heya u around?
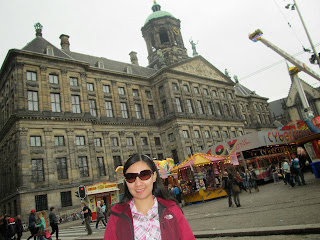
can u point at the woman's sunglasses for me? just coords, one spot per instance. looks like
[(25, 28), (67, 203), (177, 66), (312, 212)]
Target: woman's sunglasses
[(143, 175)]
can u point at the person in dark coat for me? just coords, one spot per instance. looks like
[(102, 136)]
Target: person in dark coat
[(54, 222), (3, 228), (226, 186), (19, 227), (32, 224)]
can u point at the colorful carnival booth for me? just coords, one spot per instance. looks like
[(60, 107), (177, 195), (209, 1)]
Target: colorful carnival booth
[(107, 191), (200, 177)]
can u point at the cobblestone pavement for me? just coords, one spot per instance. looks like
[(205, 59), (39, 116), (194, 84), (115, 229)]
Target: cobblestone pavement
[(274, 205)]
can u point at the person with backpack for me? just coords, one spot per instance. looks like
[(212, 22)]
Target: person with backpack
[(235, 189), (87, 217), (100, 215)]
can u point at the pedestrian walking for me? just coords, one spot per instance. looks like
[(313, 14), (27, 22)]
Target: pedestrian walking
[(32, 224), (227, 187), (274, 173), (87, 217), (19, 227), (286, 172), (296, 166), (177, 193), (41, 224), (235, 189), (54, 223), (239, 179), (104, 210), (11, 229), (100, 215), (146, 204), (252, 176)]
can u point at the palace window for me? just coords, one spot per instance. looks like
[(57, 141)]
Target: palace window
[(66, 200), (175, 87), (62, 168), (189, 106), (171, 137), (157, 141), (151, 112), (97, 142), (135, 92), (35, 141), (196, 90), (109, 109), (138, 110), (124, 110), (210, 108), (90, 87), (164, 108), (106, 89), (148, 94), (53, 79), (75, 101), (207, 134), (41, 202), (74, 82), (121, 90), (37, 170), (144, 141), (93, 107), (117, 161), (200, 108), (114, 141), (83, 166), (59, 140), (55, 102), (130, 141), (80, 140), (33, 101), (31, 76), (185, 133), (101, 166), (196, 134), (179, 106)]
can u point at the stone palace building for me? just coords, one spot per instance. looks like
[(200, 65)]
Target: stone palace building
[(68, 118)]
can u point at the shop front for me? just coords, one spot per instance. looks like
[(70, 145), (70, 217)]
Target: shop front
[(107, 191)]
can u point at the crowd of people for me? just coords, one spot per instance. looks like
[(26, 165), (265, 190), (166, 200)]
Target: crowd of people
[(10, 228)]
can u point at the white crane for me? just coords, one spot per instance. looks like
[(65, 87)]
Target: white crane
[(293, 71)]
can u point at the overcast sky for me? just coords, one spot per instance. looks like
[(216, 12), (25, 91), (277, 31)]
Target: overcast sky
[(112, 29)]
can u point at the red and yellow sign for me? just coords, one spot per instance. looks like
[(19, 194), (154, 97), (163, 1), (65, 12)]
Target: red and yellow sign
[(101, 187)]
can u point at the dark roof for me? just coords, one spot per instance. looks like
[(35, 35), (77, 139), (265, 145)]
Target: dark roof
[(39, 45), (276, 107), (111, 64), (242, 90)]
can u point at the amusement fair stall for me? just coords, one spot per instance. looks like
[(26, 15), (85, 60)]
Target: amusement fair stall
[(164, 167), (107, 191), (199, 177)]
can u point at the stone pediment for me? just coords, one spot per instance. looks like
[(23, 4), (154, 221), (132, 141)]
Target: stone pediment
[(200, 68)]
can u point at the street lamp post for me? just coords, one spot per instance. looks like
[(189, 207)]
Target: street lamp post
[(308, 35)]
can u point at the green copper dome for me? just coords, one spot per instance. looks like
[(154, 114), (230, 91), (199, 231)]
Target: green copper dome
[(157, 13)]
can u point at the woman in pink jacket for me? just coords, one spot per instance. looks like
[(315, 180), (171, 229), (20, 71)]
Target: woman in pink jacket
[(147, 211)]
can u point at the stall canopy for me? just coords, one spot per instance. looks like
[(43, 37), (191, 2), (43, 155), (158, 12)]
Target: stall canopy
[(196, 160)]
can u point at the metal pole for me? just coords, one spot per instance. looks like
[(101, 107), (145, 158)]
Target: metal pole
[(305, 28)]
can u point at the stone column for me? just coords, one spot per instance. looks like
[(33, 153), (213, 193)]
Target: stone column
[(72, 161), (44, 91), (109, 157), (24, 160), (49, 163), (92, 158), (84, 93), (138, 141)]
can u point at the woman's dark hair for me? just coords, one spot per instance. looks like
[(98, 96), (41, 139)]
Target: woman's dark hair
[(158, 187), (230, 175)]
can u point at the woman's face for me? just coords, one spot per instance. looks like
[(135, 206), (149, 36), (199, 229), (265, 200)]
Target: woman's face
[(141, 189)]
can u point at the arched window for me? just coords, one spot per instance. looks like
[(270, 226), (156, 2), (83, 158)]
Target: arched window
[(164, 38)]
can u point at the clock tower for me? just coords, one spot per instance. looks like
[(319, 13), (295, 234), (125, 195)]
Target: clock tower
[(162, 34)]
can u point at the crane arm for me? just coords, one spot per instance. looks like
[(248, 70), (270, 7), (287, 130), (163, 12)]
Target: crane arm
[(257, 36)]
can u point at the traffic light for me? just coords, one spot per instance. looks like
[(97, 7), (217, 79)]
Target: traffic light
[(82, 191)]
